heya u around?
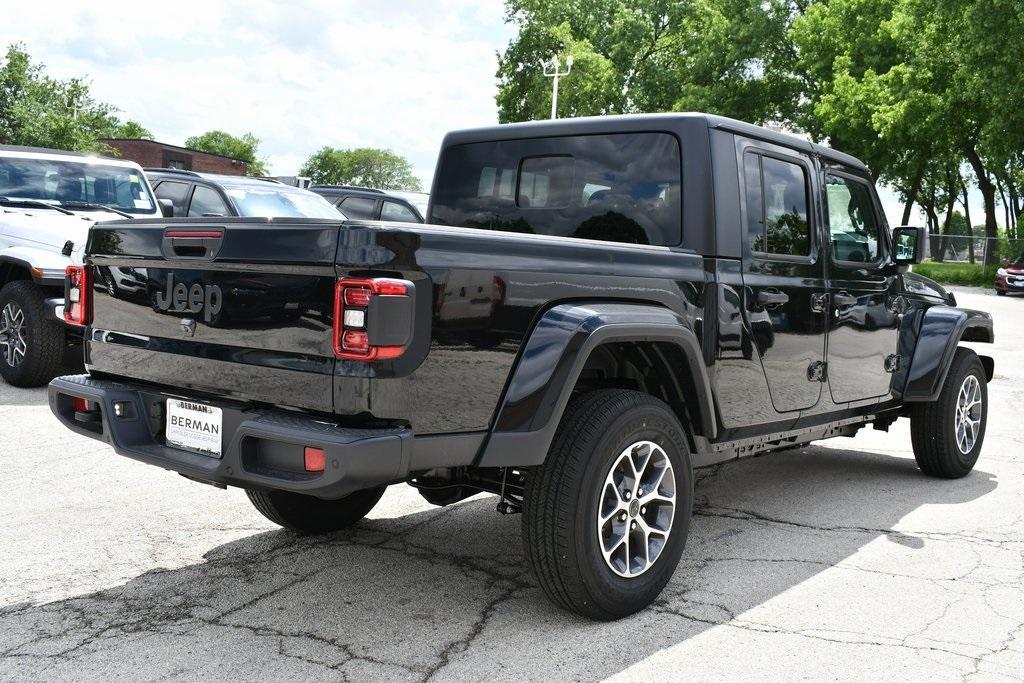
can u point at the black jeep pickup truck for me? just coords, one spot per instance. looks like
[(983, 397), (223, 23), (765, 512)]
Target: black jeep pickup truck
[(595, 308)]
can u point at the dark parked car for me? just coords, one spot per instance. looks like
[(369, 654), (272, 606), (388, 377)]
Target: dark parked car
[(373, 205), (1010, 277), (209, 194), (597, 307)]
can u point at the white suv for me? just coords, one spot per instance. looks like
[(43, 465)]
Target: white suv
[(48, 201)]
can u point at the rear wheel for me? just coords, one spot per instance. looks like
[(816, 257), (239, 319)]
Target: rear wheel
[(31, 338), (947, 433), (309, 515), (605, 517)]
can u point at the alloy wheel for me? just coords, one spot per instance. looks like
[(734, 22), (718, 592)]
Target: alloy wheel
[(636, 509), (12, 334), (968, 414)]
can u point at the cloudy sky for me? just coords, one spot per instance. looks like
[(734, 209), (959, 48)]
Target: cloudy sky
[(391, 73), (341, 73)]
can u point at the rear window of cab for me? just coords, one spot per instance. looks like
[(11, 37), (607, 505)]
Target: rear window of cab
[(622, 187)]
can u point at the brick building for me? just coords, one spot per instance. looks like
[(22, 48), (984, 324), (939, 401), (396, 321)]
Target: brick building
[(150, 154)]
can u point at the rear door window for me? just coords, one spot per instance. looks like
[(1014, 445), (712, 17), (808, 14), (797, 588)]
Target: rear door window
[(619, 188), (176, 192), (359, 207), (393, 211), (777, 208), (207, 202)]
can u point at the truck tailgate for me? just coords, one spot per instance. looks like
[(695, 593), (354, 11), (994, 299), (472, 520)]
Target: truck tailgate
[(238, 307)]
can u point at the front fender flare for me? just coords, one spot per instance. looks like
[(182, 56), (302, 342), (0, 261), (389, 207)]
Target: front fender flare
[(46, 267), (941, 330), (552, 359)]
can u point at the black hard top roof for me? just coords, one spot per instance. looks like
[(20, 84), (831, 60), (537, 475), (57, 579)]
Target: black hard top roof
[(639, 122)]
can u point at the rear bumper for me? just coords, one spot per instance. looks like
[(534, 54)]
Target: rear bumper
[(262, 449)]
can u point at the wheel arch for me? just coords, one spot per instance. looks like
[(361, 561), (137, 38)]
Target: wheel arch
[(12, 269), (43, 268), (632, 345), (941, 330)]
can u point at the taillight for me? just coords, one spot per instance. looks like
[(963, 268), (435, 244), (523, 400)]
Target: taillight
[(77, 295), (354, 299)]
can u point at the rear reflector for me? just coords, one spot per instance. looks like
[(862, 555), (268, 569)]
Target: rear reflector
[(314, 458), (81, 405)]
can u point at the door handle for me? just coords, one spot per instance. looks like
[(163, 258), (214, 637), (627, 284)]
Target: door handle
[(842, 300), (772, 297)]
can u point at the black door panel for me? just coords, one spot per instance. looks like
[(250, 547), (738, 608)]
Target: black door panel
[(863, 327), (782, 273)]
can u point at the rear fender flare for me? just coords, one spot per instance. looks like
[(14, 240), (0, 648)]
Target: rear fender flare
[(554, 356), (942, 329)]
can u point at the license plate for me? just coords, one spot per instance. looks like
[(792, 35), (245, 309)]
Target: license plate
[(194, 426)]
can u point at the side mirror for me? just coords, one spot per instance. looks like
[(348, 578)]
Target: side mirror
[(166, 208), (908, 245)]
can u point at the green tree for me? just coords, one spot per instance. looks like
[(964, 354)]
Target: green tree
[(244, 148), (720, 56), (131, 130), (41, 111), (366, 166), (917, 89)]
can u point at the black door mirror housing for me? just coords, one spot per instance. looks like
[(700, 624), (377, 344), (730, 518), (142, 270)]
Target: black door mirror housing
[(166, 208), (908, 245)]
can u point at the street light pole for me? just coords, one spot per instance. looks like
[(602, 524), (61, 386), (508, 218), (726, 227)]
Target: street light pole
[(552, 70)]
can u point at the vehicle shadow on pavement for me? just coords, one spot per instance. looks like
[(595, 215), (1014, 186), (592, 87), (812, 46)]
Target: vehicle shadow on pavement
[(445, 592)]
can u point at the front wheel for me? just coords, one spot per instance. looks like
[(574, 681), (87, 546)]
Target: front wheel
[(32, 340), (1000, 292), (309, 515), (947, 433), (605, 518)]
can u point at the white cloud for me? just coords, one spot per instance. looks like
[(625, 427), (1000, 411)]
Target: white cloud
[(343, 73)]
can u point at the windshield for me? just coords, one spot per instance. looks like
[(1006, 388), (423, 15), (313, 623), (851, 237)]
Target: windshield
[(72, 182), (274, 203)]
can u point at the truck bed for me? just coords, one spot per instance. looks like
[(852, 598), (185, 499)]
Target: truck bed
[(477, 292)]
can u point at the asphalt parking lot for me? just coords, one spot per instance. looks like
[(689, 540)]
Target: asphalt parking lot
[(835, 561)]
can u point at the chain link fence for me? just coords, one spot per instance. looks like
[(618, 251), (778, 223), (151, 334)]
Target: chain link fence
[(973, 249)]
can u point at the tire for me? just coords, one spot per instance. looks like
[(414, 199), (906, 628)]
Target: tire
[(37, 354), (563, 496), (309, 515), (938, 448), (1000, 292)]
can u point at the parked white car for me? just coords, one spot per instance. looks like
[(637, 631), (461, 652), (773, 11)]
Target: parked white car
[(48, 201)]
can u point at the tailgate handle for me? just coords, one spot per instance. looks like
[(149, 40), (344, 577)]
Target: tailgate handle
[(192, 243)]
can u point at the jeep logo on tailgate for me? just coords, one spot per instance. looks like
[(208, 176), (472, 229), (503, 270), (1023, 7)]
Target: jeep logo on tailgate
[(182, 299)]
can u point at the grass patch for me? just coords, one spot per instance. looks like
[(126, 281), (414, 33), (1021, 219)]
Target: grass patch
[(974, 275)]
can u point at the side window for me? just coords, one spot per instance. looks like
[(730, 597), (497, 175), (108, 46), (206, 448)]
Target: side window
[(777, 208), (176, 192), (206, 202), (358, 207), (393, 211), (852, 224)]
